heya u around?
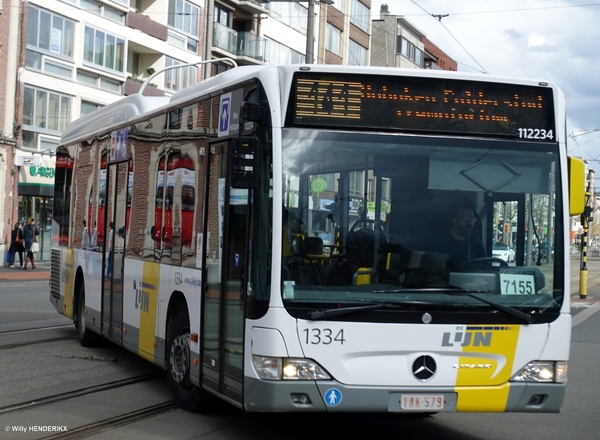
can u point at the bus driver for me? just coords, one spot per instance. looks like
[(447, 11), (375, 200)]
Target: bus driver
[(461, 244)]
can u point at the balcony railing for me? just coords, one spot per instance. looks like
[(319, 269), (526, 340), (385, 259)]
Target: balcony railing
[(251, 46), (224, 38), (238, 43)]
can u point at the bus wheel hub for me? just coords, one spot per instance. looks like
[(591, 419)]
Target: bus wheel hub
[(180, 358)]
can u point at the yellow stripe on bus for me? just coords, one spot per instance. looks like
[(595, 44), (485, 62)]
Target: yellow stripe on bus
[(147, 298), (483, 399), (485, 368), (69, 274)]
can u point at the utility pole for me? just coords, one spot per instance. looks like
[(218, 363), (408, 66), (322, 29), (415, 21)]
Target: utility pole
[(586, 217), (310, 25), (310, 33)]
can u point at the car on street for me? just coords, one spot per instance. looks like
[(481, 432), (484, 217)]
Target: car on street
[(504, 252)]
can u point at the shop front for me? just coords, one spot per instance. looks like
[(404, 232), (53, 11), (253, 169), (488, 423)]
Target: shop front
[(36, 192)]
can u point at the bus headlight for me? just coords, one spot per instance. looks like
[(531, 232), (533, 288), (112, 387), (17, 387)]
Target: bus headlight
[(539, 371), (303, 369), (288, 369)]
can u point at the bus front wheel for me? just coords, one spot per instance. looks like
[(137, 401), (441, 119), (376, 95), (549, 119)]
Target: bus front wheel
[(188, 396), (87, 338)]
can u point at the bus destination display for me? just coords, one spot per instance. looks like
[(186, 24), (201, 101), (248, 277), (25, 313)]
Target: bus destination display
[(424, 105)]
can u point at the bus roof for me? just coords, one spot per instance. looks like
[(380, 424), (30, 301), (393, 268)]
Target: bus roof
[(131, 107), (112, 115)]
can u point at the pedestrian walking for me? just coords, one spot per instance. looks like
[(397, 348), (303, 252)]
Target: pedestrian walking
[(30, 235), (16, 245)]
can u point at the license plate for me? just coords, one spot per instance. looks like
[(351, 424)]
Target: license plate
[(421, 402)]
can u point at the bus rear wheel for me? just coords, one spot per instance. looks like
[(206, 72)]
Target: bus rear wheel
[(188, 396)]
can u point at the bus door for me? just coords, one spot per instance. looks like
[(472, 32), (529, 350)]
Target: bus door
[(225, 265), (115, 228)]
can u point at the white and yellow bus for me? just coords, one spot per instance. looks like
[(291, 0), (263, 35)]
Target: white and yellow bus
[(321, 238)]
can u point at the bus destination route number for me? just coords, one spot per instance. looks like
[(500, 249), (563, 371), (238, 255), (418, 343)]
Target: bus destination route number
[(407, 103), (325, 336)]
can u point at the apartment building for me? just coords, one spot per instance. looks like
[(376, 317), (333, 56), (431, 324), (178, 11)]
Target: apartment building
[(66, 58), (396, 42)]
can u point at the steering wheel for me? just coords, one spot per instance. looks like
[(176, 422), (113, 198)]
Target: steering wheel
[(476, 261), (383, 237), (360, 222)]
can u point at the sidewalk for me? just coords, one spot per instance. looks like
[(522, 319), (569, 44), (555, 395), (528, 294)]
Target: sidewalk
[(41, 272)]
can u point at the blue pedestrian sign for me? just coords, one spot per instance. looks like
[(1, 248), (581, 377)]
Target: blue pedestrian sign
[(333, 397), (224, 114)]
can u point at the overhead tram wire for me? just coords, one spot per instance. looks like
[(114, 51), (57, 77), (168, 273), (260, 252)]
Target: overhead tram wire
[(542, 8), (439, 18), (573, 136)]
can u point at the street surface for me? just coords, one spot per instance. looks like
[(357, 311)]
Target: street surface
[(114, 394)]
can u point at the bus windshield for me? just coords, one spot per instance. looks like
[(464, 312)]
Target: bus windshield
[(418, 222)]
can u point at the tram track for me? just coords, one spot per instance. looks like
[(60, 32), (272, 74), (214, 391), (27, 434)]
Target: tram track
[(36, 403), (26, 330), (38, 341), (114, 422), (32, 331)]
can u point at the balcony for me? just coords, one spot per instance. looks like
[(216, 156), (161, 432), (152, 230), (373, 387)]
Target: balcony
[(224, 38), (244, 47), (251, 6), (250, 46), (131, 87), (147, 25)]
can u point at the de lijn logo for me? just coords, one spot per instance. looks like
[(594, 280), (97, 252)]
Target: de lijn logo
[(45, 172)]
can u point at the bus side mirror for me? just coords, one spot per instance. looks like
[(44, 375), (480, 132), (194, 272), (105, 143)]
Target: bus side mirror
[(576, 186), (254, 111), (244, 171)]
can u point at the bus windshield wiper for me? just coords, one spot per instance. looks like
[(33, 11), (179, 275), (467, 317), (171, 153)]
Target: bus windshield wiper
[(424, 290), (373, 305), (508, 310)]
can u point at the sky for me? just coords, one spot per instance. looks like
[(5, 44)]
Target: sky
[(555, 40)]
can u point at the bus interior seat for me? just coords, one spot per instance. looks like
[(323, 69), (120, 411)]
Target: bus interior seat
[(312, 245), (360, 254), (301, 267)]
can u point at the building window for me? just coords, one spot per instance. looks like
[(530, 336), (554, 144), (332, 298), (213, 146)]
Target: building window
[(290, 13), (183, 17), (359, 15), (98, 82), (103, 50), (50, 33), (179, 79), (45, 110), (58, 69), (103, 10), (223, 16), (88, 107), (338, 4), (357, 55), (410, 51), (277, 53), (333, 40)]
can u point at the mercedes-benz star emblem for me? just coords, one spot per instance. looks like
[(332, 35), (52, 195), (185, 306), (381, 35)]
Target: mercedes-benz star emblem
[(423, 368)]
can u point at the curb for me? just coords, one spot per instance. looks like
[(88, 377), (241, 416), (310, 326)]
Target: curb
[(42, 272)]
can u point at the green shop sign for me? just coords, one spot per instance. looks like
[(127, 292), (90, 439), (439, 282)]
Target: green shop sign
[(45, 172)]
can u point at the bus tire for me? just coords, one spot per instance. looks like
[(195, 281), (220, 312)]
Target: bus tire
[(87, 338), (187, 395)]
